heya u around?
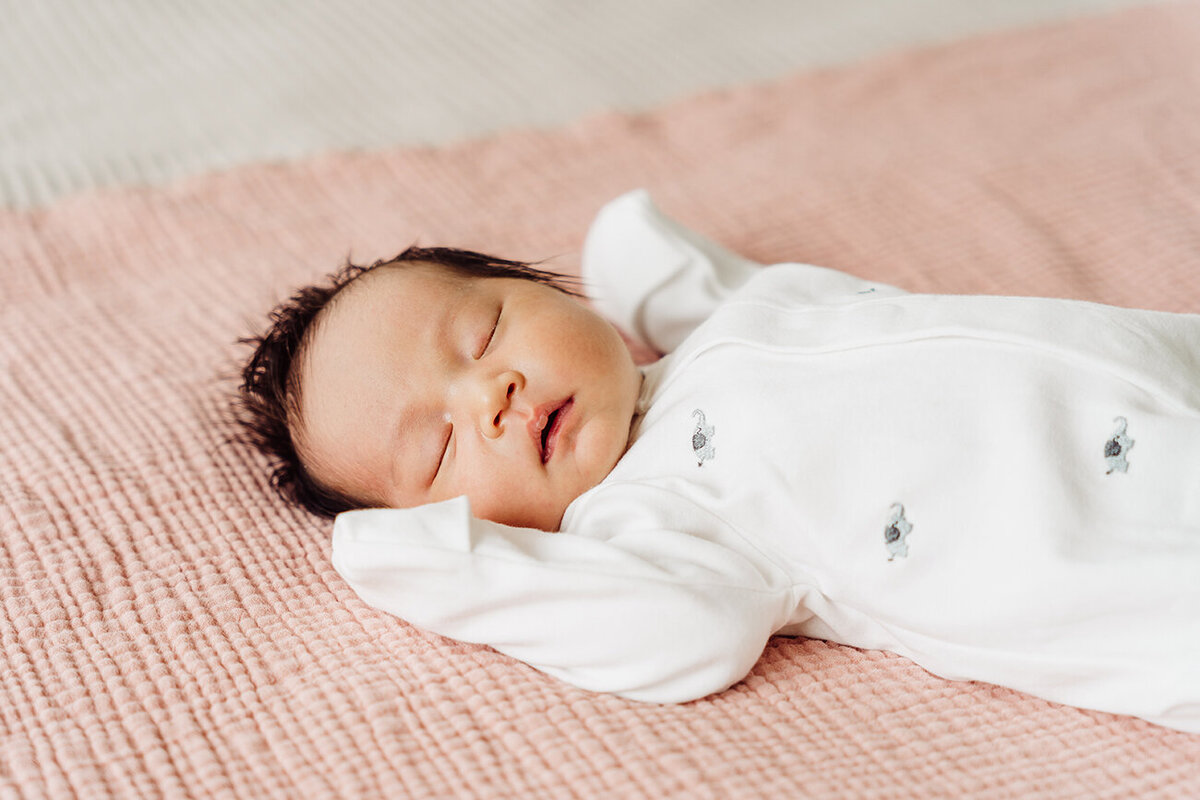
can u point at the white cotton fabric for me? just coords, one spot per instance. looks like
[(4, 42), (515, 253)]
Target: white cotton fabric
[(926, 474)]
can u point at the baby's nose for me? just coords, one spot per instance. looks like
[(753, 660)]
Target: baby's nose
[(496, 395)]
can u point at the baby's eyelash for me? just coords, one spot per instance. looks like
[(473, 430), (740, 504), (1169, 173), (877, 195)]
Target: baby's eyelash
[(491, 334), (441, 462)]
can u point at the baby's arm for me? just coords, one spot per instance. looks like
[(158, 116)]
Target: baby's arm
[(653, 616), (658, 280)]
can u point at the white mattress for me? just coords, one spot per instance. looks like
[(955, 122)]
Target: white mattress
[(140, 91)]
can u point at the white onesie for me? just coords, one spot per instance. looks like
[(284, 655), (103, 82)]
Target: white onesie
[(1001, 489)]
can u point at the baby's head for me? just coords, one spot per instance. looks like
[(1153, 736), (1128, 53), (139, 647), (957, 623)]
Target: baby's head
[(440, 373)]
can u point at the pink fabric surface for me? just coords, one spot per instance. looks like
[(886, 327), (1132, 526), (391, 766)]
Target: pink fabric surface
[(171, 629)]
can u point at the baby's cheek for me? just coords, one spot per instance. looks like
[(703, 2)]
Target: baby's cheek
[(598, 450)]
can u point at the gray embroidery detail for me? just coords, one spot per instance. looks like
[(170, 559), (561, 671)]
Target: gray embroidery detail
[(866, 291), (1116, 448), (895, 532), (702, 438)]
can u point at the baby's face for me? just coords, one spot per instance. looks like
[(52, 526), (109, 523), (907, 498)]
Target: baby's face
[(420, 384)]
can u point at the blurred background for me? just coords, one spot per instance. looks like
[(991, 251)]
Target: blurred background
[(98, 94)]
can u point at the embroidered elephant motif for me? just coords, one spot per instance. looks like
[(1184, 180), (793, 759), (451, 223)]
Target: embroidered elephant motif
[(1116, 448), (702, 438), (895, 533)]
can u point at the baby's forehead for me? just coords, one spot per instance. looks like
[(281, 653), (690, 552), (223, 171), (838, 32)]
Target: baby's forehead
[(404, 278), (405, 311), (375, 299), (376, 326), (412, 289)]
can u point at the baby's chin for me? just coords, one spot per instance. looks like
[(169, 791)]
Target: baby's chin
[(547, 517)]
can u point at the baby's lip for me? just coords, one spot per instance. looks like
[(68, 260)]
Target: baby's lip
[(545, 425)]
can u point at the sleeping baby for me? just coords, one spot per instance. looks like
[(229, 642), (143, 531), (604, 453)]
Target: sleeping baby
[(1000, 489)]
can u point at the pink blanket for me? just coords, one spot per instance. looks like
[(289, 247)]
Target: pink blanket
[(171, 629)]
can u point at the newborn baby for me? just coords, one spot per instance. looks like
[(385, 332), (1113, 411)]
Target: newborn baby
[(424, 383), (1001, 489)]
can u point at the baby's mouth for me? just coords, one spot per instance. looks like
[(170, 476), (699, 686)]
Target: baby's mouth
[(549, 424)]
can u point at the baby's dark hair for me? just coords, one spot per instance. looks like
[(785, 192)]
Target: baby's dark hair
[(269, 396)]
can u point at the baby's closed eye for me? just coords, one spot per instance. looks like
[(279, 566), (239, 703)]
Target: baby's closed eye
[(485, 344), (441, 459)]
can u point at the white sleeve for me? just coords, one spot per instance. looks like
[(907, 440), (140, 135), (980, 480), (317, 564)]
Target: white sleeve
[(659, 617), (658, 280)]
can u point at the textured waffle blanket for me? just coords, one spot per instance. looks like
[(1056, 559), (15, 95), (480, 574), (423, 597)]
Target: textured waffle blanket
[(171, 629)]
